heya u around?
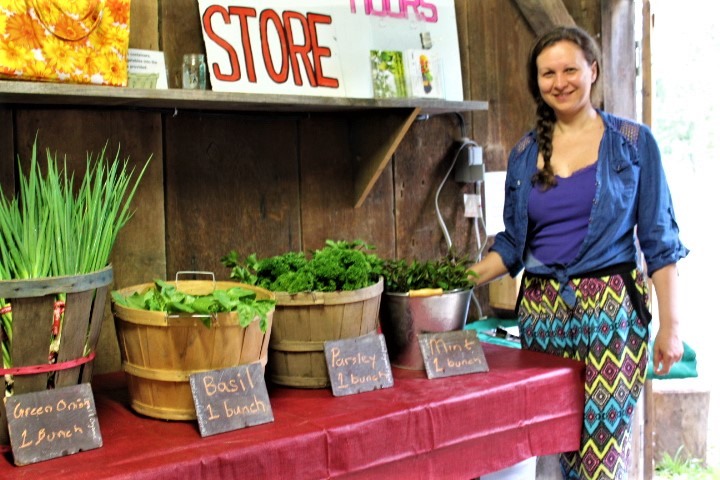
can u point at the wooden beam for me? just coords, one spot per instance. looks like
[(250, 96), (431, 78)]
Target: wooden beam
[(647, 92), (544, 14), (646, 63), (618, 57), (374, 137)]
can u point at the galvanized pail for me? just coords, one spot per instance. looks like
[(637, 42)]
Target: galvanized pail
[(404, 316)]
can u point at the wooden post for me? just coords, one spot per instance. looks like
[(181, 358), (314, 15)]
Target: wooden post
[(618, 57), (647, 93)]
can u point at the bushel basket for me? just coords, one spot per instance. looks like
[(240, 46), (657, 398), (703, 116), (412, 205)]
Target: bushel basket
[(304, 321), (56, 324), (159, 351)]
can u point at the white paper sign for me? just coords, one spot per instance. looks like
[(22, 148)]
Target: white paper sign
[(321, 47), (146, 69), (494, 202)]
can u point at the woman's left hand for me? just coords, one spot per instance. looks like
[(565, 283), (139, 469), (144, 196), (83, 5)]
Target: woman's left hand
[(667, 350)]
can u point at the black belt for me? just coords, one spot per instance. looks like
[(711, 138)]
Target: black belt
[(623, 269)]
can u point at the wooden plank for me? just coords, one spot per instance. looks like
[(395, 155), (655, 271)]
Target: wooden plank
[(65, 284), (421, 161), (31, 93), (144, 31), (7, 153), (648, 411), (231, 184), (32, 322), (542, 15), (618, 57), (326, 189), (648, 432), (497, 62), (93, 335), (646, 63), (373, 140), (181, 33), (74, 330)]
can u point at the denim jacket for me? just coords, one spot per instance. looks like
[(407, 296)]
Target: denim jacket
[(631, 191)]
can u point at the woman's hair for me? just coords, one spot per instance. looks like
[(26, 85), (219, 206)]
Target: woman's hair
[(545, 116)]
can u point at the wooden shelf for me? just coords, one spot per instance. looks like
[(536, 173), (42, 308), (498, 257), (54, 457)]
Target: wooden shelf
[(377, 125), (21, 92)]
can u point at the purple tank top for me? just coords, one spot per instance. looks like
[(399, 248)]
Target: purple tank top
[(558, 217)]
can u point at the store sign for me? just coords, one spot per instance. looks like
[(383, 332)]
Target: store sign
[(358, 364), (230, 398), (324, 48), (52, 423), (452, 353)]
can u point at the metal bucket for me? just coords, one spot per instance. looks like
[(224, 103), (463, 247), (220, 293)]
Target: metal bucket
[(404, 317)]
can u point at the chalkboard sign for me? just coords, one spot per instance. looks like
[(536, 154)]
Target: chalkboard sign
[(52, 423), (230, 399), (358, 364), (452, 353)]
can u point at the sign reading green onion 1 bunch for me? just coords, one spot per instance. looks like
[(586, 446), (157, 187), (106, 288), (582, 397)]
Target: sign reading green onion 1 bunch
[(52, 423), (306, 47)]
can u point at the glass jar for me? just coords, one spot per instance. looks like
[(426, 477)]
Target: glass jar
[(194, 71)]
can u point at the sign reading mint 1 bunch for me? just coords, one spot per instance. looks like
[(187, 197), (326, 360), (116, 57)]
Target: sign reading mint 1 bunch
[(332, 47)]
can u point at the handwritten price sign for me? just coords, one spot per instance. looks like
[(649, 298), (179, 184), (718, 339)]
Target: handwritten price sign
[(452, 353), (359, 364), (52, 423), (230, 399)]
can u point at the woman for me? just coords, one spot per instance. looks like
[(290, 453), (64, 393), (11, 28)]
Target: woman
[(583, 190)]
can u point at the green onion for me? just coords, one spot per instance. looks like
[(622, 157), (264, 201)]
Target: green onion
[(49, 230)]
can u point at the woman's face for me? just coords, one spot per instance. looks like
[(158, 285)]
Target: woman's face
[(565, 78)]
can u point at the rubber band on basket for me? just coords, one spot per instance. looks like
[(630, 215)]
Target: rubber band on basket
[(46, 368)]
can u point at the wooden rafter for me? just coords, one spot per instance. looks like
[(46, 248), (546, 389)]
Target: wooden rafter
[(544, 14)]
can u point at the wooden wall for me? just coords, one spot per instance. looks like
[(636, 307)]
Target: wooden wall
[(269, 183)]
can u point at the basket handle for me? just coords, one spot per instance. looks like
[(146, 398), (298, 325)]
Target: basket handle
[(177, 279), (95, 13), (194, 272)]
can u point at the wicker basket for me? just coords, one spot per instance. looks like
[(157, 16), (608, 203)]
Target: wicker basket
[(159, 351), (304, 321)]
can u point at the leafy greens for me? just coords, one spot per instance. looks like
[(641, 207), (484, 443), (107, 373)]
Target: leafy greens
[(165, 297), (339, 265)]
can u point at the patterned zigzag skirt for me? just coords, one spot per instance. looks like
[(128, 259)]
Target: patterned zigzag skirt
[(608, 329)]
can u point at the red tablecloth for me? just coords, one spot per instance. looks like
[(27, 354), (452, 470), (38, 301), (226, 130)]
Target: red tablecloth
[(459, 427)]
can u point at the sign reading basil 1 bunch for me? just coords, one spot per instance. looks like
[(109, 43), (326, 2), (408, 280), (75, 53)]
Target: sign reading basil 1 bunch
[(307, 47), (230, 398)]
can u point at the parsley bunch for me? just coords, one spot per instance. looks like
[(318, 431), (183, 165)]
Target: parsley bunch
[(339, 265)]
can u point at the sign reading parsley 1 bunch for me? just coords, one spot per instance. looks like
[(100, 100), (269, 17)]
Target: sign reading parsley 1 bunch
[(325, 48)]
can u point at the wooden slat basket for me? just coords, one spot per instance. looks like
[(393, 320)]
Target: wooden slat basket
[(36, 307), (304, 321), (159, 351)]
